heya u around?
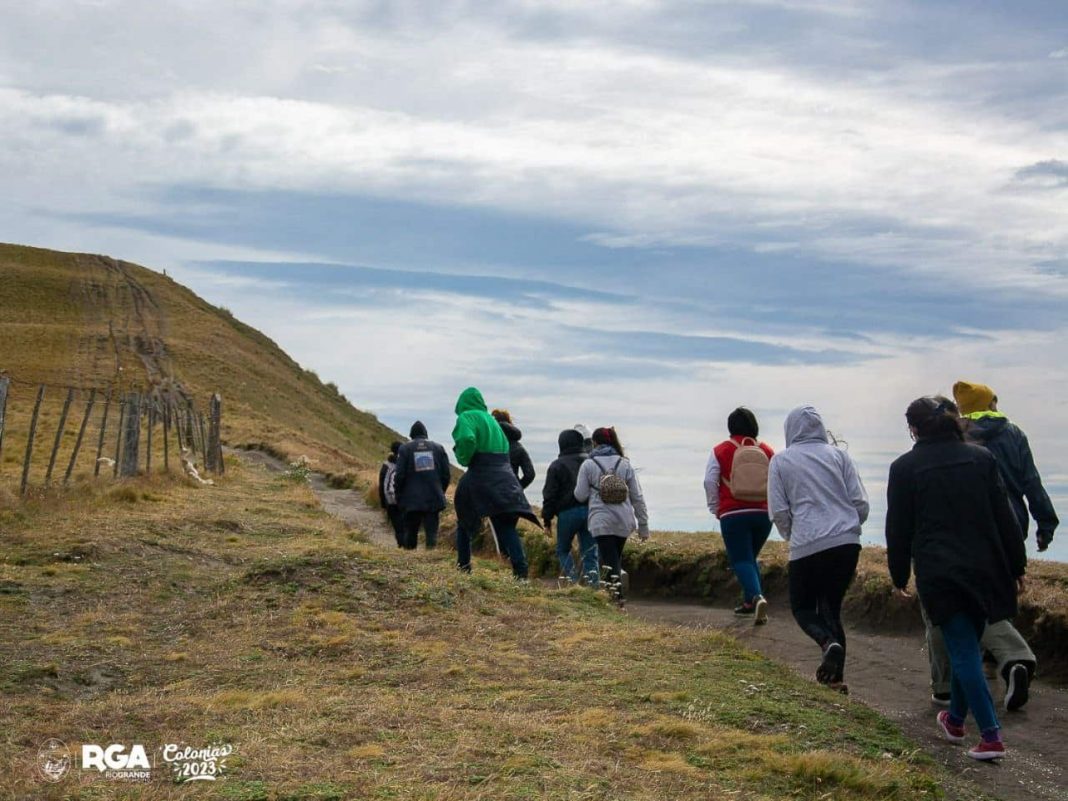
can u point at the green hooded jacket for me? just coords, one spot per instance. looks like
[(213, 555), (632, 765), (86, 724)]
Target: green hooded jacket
[(476, 431)]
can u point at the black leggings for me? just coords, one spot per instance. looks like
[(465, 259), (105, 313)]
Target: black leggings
[(818, 583), (611, 551)]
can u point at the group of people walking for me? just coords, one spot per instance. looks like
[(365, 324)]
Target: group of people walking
[(957, 516)]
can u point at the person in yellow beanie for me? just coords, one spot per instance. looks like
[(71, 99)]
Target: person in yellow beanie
[(972, 398)]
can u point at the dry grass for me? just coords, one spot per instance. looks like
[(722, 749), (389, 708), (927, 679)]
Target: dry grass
[(243, 614), (76, 319)]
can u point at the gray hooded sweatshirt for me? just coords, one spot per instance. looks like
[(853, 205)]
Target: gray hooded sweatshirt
[(815, 495), (611, 519)]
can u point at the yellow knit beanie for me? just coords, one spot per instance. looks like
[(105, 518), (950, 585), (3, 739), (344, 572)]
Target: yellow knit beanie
[(972, 398)]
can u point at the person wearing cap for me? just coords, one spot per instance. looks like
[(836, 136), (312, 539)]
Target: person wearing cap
[(587, 439), (423, 475), (558, 501), (490, 487), (989, 427)]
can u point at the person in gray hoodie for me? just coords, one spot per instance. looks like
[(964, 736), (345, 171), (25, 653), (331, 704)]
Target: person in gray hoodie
[(611, 523), (818, 504)]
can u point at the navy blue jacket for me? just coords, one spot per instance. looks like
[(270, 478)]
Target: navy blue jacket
[(488, 488), (1017, 467), (422, 476)]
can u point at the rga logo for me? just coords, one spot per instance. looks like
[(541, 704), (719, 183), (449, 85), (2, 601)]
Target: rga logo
[(197, 764), (53, 760), (115, 763)]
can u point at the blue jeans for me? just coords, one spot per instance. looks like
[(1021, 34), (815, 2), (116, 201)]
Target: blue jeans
[(968, 688), (744, 534), (569, 524), (504, 526)]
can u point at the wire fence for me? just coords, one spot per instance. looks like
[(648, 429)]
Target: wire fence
[(52, 434)]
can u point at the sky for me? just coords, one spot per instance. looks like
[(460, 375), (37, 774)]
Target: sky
[(633, 213)]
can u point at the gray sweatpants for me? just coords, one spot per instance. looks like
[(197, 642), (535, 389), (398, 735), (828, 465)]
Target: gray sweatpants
[(1001, 639)]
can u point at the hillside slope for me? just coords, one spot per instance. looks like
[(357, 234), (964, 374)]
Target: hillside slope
[(91, 321)]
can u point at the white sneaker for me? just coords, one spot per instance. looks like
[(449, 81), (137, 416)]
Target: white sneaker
[(760, 613)]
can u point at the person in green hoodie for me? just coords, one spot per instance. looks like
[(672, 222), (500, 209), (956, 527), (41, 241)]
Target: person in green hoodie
[(489, 488)]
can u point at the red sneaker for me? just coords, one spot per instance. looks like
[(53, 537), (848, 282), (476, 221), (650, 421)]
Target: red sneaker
[(955, 734), (985, 751)]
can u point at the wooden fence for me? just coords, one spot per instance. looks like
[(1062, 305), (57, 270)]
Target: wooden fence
[(49, 434)]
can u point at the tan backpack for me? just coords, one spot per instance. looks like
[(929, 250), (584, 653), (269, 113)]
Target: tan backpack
[(749, 472)]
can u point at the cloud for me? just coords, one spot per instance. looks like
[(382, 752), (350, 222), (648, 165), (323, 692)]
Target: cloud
[(1049, 174)]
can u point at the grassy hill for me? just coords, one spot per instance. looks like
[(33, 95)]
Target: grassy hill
[(91, 321)]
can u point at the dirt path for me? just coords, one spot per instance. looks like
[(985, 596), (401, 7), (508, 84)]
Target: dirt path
[(890, 674), (887, 672), (344, 504)]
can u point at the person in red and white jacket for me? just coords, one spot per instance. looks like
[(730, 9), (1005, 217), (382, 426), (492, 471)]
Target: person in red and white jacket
[(745, 524)]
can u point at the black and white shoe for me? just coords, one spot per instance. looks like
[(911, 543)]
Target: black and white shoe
[(1018, 686)]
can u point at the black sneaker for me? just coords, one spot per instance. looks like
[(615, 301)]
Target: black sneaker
[(745, 610), (1018, 681)]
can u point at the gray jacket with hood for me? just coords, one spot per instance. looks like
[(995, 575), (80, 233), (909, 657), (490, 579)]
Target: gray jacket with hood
[(815, 495), (611, 519)]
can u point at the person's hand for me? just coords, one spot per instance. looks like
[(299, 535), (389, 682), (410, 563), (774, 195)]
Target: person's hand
[(902, 594), (643, 533), (548, 526), (1043, 538), (1021, 585)]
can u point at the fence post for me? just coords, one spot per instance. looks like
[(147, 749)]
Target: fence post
[(213, 449), (131, 436), (59, 434), (203, 439), (150, 419), (118, 438), (190, 434), (165, 411), (81, 434), (176, 416), (103, 429), (5, 382), (29, 440)]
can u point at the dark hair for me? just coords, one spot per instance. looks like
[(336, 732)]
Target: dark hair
[(935, 417), (742, 423), (608, 436), (394, 447)]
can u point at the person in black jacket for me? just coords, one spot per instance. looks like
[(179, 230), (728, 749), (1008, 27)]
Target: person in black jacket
[(423, 475), (948, 513), (387, 494), (993, 430), (558, 501), (517, 454)]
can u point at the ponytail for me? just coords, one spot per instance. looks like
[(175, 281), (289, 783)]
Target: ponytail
[(608, 436), (935, 417)]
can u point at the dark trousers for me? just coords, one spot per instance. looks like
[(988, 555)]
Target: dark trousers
[(818, 583), (744, 534), (396, 520), (412, 522), (611, 552), (504, 526), (968, 687)]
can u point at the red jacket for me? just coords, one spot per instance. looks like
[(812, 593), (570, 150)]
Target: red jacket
[(720, 500)]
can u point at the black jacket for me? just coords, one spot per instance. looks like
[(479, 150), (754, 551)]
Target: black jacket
[(1017, 467), (947, 512), (558, 494), (518, 456), (422, 476), (488, 488)]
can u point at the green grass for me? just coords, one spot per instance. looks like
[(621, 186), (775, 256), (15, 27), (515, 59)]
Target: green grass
[(242, 613)]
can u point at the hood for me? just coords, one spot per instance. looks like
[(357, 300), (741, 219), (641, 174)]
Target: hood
[(570, 441), (604, 450), (804, 424), (418, 430), (510, 431), (986, 428), (470, 400)]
